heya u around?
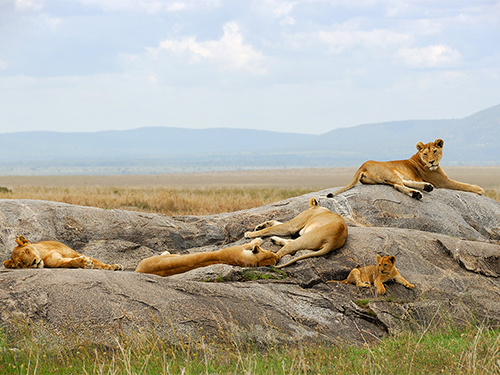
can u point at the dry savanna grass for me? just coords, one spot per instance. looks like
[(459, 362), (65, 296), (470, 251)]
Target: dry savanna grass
[(188, 201), (203, 193)]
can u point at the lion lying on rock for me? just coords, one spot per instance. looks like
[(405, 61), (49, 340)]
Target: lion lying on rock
[(421, 171), (376, 274), (319, 229), (248, 255), (51, 254)]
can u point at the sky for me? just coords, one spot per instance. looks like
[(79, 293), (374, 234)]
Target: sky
[(305, 66)]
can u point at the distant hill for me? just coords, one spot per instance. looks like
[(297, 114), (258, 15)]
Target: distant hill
[(473, 140)]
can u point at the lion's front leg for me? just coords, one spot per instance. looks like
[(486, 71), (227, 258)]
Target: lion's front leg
[(104, 266), (55, 260), (455, 185), (262, 229), (401, 280)]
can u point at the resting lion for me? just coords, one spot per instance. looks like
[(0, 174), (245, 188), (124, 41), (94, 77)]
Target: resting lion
[(319, 229), (51, 254), (421, 171), (376, 274), (248, 255)]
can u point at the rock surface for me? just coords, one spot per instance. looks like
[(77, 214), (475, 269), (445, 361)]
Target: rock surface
[(447, 244)]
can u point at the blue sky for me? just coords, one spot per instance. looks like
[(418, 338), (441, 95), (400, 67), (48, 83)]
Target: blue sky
[(306, 66)]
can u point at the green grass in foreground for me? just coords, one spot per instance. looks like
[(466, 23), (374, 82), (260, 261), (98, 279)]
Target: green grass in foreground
[(475, 350)]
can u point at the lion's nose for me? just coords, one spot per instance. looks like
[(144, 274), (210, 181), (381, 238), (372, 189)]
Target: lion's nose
[(34, 262), (432, 161)]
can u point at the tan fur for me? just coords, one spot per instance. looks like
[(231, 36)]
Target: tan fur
[(421, 171), (248, 255), (51, 254), (318, 227), (376, 274)]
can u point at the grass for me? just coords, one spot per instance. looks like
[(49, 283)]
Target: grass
[(473, 350), (168, 201)]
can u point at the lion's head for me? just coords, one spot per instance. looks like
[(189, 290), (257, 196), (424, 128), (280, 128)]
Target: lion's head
[(24, 256), (251, 255), (385, 264), (431, 153)]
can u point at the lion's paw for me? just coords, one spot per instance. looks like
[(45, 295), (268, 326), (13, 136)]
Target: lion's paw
[(428, 188), (408, 285), (266, 224), (416, 194), (117, 267), (88, 263), (248, 234), (479, 190)]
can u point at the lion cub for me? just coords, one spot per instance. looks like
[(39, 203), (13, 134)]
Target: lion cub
[(376, 274)]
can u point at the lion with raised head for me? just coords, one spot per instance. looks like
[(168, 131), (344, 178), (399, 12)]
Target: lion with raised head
[(376, 274), (319, 229), (51, 254), (421, 171), (247, 255)]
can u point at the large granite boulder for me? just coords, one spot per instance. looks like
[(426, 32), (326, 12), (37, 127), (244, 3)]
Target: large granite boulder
[(447, 244)]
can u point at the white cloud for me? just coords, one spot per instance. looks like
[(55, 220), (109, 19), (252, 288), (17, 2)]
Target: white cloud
[(33, 5), (152, 6), (229, 52), (3, 65), (428, 57), (338, 41)]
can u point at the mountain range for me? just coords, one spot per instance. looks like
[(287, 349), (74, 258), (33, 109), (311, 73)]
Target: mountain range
[(473, 140)]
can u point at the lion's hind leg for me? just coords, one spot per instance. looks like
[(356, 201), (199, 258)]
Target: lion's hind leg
[(355, 279)]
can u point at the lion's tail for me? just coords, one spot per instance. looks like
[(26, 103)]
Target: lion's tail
[(337, 281), (350, 185)]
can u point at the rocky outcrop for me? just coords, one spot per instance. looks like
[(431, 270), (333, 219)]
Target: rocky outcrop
[(447, 244)]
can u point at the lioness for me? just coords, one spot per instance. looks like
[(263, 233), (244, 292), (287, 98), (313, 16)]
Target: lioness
[(248, 255), (319, 229), (421, 171), (51, 254), (376, 274)]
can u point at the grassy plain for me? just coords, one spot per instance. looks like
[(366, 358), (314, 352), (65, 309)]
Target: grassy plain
[(203, 193), (472, 350)]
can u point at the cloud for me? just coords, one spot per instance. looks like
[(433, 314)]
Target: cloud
[(339, 41), (3, 65), (429, 57), (152, 6), (29, 5), (229, 52)]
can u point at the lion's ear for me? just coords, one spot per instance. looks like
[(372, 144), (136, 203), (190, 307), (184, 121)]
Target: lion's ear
[(420, 146), (313, 202), (9, 264), (439, 143), (392, 259), (256, 249), (378, 258)]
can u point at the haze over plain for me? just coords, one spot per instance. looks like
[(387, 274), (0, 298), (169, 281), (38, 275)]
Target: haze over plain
[(288, 66)]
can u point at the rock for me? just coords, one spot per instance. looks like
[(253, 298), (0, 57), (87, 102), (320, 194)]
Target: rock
[(447, 244)]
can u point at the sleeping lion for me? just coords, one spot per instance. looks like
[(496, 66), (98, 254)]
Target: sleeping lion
[(51, 254), (247, 255), (319, 229), (421, 171)]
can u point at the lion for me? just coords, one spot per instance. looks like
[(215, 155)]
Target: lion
[(318, 227), (51, 254), (247, 255), (376, 274), (421, 171)]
